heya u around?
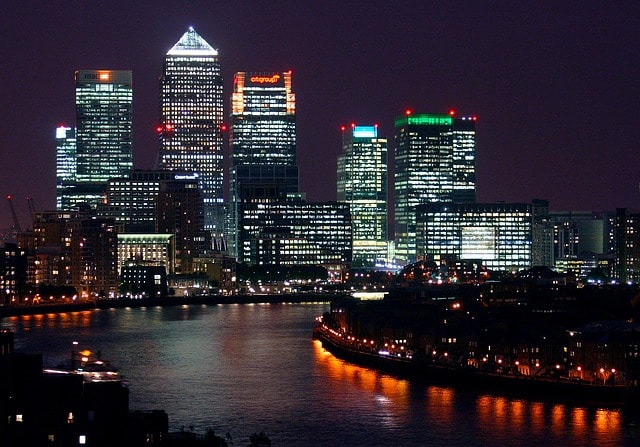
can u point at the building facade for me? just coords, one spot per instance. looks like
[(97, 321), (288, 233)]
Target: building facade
[(626, 240), (434, 162), (65, 165), (104, 145), (499, 235), (180, 211), (191, 120), (131, 201), (297, 232), (262, 138), (156, 250), (92, 247), (362, 183)]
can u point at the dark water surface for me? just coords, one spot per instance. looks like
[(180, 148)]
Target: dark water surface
[(250, 368)]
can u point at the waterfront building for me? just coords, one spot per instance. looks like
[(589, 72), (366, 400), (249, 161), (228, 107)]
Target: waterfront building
[(362, 183), (191, 120), (180, 211), (499, 235), (92, 245), (151, 249), (65, 164), (434, 162), (143, 280), (72, 250), (262, 138), (220, 268), (13, 271), (104, 146)]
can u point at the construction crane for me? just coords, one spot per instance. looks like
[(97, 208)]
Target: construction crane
[(16, 223), (32, 210)]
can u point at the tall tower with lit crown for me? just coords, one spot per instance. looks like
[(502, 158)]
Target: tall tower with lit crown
[(103, 143), (362, 183), (191, 119), (262, 139), (434, 162)]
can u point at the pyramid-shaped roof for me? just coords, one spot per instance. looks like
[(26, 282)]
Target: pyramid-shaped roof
[(192, 44)]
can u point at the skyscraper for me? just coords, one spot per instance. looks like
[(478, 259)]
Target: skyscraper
[(103, 141), (191, 118), (263, 119), (262, 138), (435, 162), (362, 183), (65, 164)]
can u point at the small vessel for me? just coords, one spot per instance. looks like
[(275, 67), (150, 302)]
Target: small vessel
[(90, 365)]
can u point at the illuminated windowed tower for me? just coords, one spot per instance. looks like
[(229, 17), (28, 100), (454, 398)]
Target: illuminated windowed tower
[(362, 183), (191, 116), (435, 162), (262, 139), (104, 147), (65, 164), (263, 126)]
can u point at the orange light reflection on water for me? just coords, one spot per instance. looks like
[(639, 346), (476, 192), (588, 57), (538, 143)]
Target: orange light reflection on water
[(389, 396), (511, 417), (52, 320), (501, 418)]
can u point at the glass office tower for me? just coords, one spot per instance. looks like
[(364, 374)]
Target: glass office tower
[(262, 139), (65, 164), (191, 119), (362, 183), (435, 162), (263, 119), (104, 146)]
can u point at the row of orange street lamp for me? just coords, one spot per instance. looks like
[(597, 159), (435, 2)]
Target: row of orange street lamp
[(606, 373)]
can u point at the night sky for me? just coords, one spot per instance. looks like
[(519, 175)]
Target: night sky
[(555, 85)]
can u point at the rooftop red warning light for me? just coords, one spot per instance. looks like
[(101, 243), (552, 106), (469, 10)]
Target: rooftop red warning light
[(452, 112)]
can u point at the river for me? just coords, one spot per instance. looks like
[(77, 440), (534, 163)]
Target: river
[(241, 369)]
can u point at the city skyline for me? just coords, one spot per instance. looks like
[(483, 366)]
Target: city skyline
[(555, 91)]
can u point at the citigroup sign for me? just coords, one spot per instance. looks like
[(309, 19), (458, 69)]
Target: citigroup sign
[(265, 79)]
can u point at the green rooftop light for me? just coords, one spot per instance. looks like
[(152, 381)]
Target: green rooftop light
[(424, 119)]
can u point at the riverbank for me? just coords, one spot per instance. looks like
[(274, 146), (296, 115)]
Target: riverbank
[(37, 309), (472, 379)]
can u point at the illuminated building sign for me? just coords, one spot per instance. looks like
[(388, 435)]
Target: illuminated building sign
[(424, 120), (365, 132), (261, 79), (185, 176)]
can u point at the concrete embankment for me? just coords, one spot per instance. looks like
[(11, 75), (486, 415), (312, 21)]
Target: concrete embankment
[(38, 309)]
